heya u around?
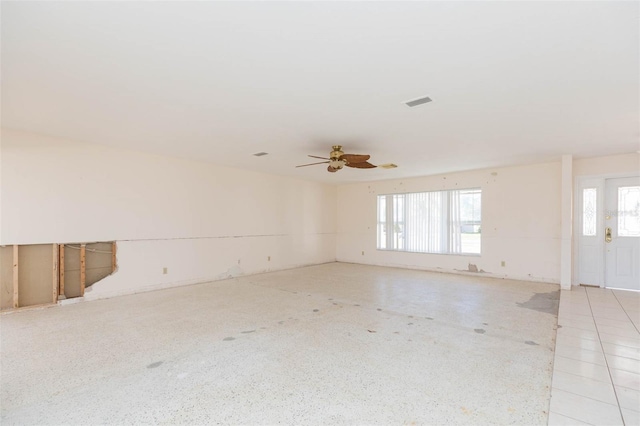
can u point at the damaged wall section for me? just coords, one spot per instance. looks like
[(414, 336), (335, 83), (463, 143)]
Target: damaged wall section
[(177, 221), (38, 274), (29, 275), (6, 277), (82, 265)]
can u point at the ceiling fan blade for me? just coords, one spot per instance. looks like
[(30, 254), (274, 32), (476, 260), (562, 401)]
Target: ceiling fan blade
[(355, 158), (312, 164), (331, 169), (363, 165), (322, 158)]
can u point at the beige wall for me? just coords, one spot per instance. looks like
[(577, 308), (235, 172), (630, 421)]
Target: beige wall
[(205, 222), (520, 222), (59, 191), (627, 164), (199, 221)]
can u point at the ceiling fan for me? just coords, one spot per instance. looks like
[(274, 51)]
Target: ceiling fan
[(338, 159)]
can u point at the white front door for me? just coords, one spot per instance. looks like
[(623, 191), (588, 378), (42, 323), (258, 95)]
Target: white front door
[(622, 233)]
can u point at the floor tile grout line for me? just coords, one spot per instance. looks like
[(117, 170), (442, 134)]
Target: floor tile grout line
[(619, 327), (624, 346), (572, 418), (626, 371), (553, 361), (620, 356), (629, 409), (577, 337), (615, 393), (637, 373), (580, 360), (587, 397), (569, 311), (564, 327), (576, 323), (625, 312), (622, 336), (628, 388), (583, 377), (578, 347)]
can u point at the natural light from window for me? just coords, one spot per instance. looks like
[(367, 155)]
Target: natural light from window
[(445, 222)]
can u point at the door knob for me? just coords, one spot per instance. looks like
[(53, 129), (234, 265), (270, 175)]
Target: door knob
[(607, 235)]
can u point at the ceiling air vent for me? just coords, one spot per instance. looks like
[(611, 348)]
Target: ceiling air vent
[(388, 166), (417, 102), (260, 154)]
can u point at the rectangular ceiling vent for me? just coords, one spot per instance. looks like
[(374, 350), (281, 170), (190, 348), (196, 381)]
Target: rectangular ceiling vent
[(388, 166), (417, 102), (260, 154)]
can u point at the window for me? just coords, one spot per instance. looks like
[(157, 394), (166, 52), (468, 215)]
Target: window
[(431, 222)]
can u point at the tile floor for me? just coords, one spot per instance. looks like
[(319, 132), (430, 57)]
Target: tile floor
[(327, 344), (596, 373)]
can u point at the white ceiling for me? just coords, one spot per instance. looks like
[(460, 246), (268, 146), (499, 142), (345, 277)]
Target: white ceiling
[(511, 82)]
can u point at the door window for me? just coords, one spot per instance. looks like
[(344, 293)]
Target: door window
[(629, 211), (589, 212)]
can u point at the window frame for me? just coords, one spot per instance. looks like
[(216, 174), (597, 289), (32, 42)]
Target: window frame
[(383, 227)]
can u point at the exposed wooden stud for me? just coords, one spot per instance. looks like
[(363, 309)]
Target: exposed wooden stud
[(113, 257), (61, 293), (15, 276), (83, 276), (56, 275)]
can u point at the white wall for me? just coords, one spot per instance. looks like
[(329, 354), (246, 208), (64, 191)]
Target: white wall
[(201, 221), (520, 222)]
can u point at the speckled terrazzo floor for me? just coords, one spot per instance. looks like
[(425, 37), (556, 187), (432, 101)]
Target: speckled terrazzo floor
[(327, 344)]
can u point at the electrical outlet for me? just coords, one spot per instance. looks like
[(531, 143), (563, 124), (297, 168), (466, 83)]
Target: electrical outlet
[(164, 270), (503, 263)]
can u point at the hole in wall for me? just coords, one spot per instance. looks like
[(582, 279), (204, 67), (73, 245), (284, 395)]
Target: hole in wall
[(38, 274)]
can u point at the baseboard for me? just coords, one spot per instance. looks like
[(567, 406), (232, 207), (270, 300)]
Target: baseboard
[(105, 294), (462, 272)]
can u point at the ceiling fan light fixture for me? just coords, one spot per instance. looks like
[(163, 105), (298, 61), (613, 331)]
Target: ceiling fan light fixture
[(388, 166), (336, 164)]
